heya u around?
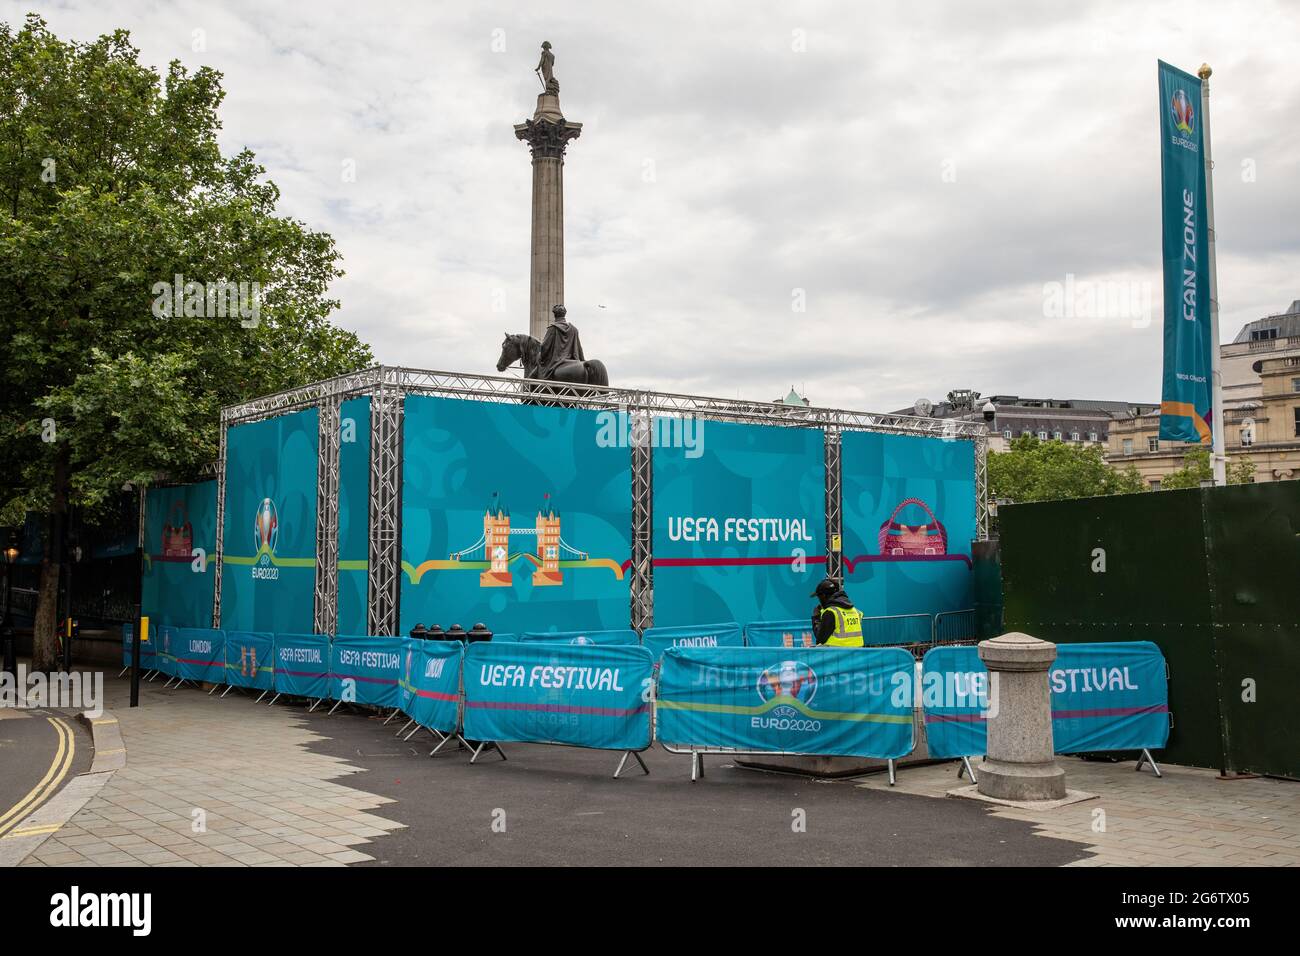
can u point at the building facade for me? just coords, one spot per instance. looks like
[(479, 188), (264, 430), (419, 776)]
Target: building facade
[(1261, 408)]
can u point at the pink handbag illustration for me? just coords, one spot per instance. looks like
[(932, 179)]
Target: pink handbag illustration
[(903, 541)]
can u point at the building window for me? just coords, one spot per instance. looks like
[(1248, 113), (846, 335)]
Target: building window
[(1155, 484), (1259, 335), (1006, 433), (1128, 446), (1153, 444), (1092, 436), (1297, 423), (1074, 436), (1295, 384), (1056, 435), (1026, 433)]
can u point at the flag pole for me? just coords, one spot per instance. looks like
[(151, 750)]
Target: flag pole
[(1217, 458)]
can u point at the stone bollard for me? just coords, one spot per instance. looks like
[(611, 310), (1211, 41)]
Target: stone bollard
[(1020, 764)]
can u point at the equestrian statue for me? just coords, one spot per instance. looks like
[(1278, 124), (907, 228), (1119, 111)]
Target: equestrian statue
[(558, 358)]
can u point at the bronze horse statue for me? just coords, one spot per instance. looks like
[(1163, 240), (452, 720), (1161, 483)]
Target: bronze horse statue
[(525, 349)]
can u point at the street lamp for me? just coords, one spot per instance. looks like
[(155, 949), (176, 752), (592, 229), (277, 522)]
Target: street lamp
[(6, 628)]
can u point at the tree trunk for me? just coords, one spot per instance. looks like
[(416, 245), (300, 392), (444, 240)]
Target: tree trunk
[(45, 656)]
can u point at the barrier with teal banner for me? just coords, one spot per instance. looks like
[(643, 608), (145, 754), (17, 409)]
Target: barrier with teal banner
[(591, 695), (148, 649), (954, 695), (367, 670), (1106, 696), (200, 654), (611, 636), (1110, 696), (658, 639), (167, 643), (780, 633), (250, 659), (431, 684), (829, 701), (302, 665)]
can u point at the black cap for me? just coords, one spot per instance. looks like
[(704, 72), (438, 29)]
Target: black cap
[(826, 588)]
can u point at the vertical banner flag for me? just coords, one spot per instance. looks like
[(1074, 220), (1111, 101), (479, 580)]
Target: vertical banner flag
[(1186, 398)]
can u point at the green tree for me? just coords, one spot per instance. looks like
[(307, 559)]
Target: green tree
[(1033, 470), (1196, 469), (111, 186)]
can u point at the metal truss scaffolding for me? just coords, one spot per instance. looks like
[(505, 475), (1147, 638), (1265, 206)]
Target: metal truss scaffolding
[(326, 612), (388, 387)]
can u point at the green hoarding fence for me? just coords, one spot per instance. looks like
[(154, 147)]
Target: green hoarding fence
[(1211, 575)]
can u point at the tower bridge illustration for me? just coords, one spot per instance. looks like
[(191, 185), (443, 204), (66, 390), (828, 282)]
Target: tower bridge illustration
[(541, 545)]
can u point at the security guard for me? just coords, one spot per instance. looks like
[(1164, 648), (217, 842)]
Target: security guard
[(836, 622)]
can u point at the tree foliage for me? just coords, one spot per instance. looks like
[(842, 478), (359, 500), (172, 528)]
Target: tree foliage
[(112, 183), (1197, 469), (1034, 470)]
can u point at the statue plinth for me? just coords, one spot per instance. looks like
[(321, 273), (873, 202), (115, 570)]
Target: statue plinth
[(547, 134)]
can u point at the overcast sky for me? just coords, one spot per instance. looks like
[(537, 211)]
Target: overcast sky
[(916, 176)]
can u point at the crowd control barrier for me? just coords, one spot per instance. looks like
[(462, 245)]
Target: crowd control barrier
[(165, 658), (148, 650), (592, 695), (1106, 696), (780, 634), (366, 670), (302, 666), (431, 693), (658, 639), (613, 636), (199, 654), (250, 661), (827, 701)]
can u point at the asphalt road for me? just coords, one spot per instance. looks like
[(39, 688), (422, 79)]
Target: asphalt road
[(40, 751), (560, 806)]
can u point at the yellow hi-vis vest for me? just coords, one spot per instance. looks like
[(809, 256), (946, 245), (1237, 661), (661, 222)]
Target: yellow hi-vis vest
[(848, 627)]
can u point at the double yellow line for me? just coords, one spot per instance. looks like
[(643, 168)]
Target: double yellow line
[(59, 768)]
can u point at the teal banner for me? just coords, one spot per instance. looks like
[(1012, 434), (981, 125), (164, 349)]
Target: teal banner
[(658, 639), (840, 701), (431, 686), (180, 541), (590, 695), (514, 516), (250, 659), (268, 564), (367, 670), (1186, 398)]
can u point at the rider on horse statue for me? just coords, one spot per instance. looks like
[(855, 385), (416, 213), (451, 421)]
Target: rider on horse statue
[(561, 344)]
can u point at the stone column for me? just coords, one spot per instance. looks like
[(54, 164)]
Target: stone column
[(1020, 764), (547, 135)]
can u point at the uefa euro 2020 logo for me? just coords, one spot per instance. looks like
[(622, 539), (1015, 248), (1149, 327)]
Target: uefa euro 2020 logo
[(266, 531), (792, 679), (1184, 115)]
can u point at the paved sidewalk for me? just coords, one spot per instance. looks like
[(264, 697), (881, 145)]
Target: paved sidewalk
[(1188, 818), (217, 782)]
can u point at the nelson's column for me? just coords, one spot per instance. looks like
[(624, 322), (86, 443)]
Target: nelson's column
[(547, 135)]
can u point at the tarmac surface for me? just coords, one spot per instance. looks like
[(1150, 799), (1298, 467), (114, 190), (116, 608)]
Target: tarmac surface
[(554, 806), (40, 751)]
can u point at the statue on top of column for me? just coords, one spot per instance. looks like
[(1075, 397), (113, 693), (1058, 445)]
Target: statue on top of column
[(546, 69)]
